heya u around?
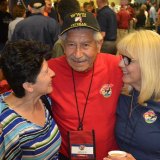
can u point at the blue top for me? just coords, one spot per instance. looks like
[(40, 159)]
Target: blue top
[(38, 28), (24, 140), (139, 133), (107, 20)]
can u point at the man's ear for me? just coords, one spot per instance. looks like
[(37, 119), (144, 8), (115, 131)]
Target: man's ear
[(28, 86), (99, 45)]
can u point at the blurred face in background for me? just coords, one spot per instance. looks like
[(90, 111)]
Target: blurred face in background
[(48, 6)]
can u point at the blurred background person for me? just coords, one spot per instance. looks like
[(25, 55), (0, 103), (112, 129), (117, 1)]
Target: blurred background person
[(37, 26), (87, 7), (18, 15), (4, 87), (50, 10), (64, 8), (93, 8), (158, 25), (152, 16), (132, 13), (140, 19), (123, 21), (5, 19), (108, 23), (113, 7), (144, 7)]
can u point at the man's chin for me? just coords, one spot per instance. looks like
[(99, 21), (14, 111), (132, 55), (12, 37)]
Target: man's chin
[(80, 69)]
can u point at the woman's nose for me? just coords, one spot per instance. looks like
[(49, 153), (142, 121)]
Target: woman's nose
[(52, 73)]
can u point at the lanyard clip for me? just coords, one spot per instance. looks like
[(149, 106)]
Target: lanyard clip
[(80, 127)]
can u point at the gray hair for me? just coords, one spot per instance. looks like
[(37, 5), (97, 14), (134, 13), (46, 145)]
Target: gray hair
[(96, 35), (39, 10)]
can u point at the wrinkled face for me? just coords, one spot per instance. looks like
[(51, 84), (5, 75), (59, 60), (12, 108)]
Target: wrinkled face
[(43, 84), (81, 49), (131, 72)]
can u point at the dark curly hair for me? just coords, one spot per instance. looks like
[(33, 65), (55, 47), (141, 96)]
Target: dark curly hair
[(21, 61)]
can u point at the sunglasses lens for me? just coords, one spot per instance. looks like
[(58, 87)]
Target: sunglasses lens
[(126, 60)]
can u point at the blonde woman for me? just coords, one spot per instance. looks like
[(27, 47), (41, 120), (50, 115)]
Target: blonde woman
[(138, 114)]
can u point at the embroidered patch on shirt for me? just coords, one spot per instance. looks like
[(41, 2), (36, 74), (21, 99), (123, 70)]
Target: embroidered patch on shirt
[(106, 90), (150, 116)]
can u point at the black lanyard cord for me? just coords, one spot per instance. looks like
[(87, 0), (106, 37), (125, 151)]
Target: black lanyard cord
[(80, 126)]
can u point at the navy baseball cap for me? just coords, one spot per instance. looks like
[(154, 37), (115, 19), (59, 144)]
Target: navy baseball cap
[(80, 19)]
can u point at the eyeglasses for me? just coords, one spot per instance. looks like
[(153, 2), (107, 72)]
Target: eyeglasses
[(127, 60)]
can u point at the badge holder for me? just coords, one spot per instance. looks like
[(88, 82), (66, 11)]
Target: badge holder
[(82, 145), (82, 142)]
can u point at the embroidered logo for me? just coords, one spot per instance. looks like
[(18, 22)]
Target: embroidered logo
[(78, 19), (106, 90), (150, 116), (81, 147)]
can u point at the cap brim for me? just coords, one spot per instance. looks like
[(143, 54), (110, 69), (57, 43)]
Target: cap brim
[(90, 27)]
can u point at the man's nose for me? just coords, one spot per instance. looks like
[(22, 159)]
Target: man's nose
[(78, 52)]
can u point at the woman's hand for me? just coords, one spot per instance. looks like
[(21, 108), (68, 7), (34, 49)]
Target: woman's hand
[(128, 157)]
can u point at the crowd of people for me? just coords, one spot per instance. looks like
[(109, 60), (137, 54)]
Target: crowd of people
[(115, 22), (73, 89)]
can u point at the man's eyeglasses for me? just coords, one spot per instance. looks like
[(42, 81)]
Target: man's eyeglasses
[(126, 60)]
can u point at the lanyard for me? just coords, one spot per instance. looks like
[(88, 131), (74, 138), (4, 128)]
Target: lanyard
[(80, 126)]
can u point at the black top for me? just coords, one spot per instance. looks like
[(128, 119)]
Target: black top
[(5, 19)]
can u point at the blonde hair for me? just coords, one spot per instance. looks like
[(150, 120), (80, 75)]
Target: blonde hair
[(144, 46)]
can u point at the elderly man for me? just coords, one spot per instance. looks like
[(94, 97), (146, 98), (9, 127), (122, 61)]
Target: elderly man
[(37, 26), (86, 90)]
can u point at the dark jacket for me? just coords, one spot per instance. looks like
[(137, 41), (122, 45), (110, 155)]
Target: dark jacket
[(5, 19), (37, 27), (138, 127)]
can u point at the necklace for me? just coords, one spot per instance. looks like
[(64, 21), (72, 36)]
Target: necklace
[(131, 105)]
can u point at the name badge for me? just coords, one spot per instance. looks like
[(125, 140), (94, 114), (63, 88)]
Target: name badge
[(82, 145)]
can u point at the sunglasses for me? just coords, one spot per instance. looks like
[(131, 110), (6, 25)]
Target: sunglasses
[(127, 60)]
